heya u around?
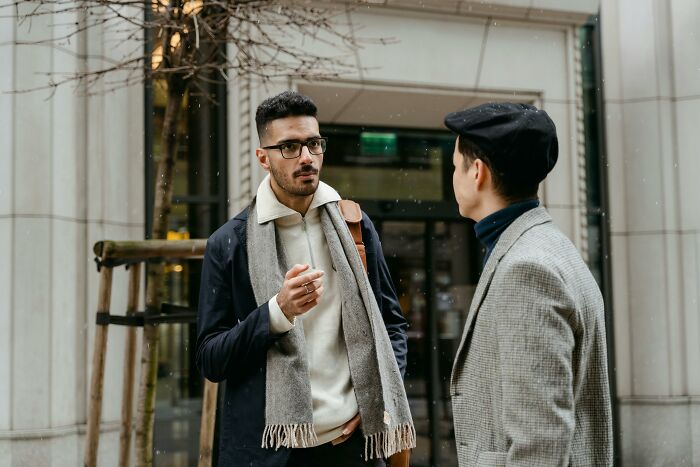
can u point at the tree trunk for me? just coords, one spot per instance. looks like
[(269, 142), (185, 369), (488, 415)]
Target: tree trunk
[(129, 367), (161, 212)]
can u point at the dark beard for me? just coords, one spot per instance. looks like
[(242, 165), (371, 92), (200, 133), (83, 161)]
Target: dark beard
[(287, 184)]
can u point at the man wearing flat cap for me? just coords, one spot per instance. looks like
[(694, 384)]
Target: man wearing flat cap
[(530, 382)]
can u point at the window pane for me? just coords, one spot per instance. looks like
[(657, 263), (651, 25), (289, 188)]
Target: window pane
[(404, 248), (198, 208), (391, 165), (457, 264)]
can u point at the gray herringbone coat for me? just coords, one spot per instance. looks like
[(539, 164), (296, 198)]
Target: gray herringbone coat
[(530, 383)]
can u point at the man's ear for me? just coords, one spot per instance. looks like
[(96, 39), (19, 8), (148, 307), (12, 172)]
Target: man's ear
[(263, 158), (482, 174)]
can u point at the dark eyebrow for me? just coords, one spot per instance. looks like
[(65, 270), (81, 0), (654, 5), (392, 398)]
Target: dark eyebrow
[(297, 140)]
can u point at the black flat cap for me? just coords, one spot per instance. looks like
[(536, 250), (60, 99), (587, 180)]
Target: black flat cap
[(520, 140)]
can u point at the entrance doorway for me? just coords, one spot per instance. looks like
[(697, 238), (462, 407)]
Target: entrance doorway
[(402, 178), (434, 265)]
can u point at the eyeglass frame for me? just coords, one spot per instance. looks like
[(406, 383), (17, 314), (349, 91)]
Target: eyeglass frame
[(301, 147)]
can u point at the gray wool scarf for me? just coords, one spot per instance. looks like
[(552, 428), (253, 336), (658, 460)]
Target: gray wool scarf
[(386, 423)]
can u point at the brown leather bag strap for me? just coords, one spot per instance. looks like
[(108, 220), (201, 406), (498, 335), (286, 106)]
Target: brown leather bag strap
[(352, 213)]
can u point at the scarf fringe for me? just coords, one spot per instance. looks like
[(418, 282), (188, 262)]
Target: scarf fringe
[(385, 443), (293, 435)]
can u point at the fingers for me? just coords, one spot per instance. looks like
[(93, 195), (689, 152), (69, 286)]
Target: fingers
[(300, 291), (348, 429), (307, 289), (308, 306), (352, 425), (299, 281), (305, 298), (296, 270)]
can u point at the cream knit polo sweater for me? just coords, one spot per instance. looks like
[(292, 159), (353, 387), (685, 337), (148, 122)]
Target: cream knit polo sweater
[(303, 242)]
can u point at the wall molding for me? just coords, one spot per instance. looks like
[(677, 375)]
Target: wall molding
[(659, 400), (55, 432)]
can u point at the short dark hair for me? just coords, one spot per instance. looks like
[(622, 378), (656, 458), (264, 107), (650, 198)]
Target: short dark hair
[(509, 186), (285, 104)]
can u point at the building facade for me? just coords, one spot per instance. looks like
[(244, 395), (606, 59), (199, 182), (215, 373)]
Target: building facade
[(651, 61), (624, 94), (71, 173)]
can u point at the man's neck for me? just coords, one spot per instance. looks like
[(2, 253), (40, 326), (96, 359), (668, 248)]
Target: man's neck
[(298, 203), (489, 206)]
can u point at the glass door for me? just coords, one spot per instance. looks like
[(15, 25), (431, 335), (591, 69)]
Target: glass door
[(402, 178), (199, 206), (404, 250), (435, 267)]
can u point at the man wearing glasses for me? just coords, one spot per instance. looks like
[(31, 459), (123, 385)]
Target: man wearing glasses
[(312, 347)]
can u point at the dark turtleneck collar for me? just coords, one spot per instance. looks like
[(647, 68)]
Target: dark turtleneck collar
[(490, 228)]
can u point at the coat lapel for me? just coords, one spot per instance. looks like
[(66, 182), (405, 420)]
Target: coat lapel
[(479, 295), (508, 238)]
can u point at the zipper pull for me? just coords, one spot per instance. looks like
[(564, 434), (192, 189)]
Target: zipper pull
[(308, 241)]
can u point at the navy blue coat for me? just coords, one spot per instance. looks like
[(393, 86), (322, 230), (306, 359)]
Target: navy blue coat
[(233, 336)]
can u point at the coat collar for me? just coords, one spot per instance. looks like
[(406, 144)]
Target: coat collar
[(508, 238), (268, 208), (519, 226)]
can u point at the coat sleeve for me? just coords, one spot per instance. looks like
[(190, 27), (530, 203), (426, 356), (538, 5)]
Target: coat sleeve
[(227, 347), (385, 294), (536, 338)]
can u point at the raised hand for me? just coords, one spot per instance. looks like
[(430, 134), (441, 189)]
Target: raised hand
[(300, 292)]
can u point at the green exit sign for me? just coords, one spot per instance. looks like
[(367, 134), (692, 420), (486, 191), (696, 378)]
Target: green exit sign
[(374, 144)]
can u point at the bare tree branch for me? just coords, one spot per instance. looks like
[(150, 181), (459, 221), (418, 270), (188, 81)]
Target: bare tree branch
[(191, 45), (267, 39)]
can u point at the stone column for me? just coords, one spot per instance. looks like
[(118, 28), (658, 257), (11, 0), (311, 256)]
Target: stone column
[(651, 54), (71, 172)]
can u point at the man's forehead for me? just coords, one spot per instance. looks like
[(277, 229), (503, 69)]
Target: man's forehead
[(301, 125)]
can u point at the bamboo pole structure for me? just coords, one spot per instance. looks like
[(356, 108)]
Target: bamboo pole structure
[(162, 205), (146, 399), (129, 367), (110, 254), (108, 250), (98, 369), (206, 432)]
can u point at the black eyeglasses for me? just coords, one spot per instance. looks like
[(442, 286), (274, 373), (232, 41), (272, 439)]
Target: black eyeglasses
[(292, 149)]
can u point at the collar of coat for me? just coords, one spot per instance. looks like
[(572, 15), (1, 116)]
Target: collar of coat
[(515, 230), (269, 208), (508, 238)]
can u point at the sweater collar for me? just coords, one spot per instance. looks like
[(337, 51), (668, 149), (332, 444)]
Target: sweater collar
[(490, 228), (269, 208)]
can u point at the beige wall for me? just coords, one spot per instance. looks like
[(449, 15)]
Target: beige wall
[(71, 172), (439, 63), (569, 11), (652, 87)]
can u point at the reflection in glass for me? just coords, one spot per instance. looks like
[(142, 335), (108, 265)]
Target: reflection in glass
[(404, 250), (455, 272), (198, 208), (386, 164), (435, 267)]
